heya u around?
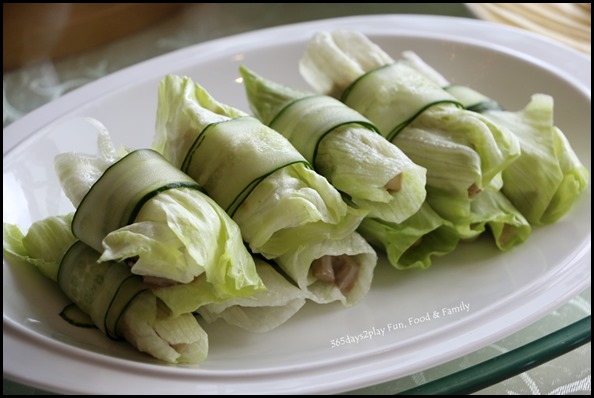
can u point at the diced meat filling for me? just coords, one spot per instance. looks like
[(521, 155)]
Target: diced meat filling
[(473, 190), (131, 261), (323, 270), (506, 234), (340, 270), (395, 184), (179, 347)]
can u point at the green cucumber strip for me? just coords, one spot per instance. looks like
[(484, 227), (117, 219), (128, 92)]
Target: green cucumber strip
[(186, 164), (252, 185), (237, 144), (348, 91), (130, 287), (118, 195), (473, 100), (102, 290), (306, 121), (394, 132), (77, 317), (393, 95)]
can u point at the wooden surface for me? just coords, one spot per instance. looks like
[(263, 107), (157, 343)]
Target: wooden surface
[(568, 23), (37, 32)]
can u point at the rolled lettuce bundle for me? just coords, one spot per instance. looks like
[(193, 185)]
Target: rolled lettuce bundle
[(462, 151), (280, 203), (343, 146), (548, 177), (117, 302), (141, 209)]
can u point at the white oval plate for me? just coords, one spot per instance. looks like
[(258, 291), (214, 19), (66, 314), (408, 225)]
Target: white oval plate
[(323, 349)]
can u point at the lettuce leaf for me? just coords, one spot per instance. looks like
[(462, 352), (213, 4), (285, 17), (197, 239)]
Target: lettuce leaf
[(493, 210), (415, 242), (263, 311), (43, 245), (547, 179)]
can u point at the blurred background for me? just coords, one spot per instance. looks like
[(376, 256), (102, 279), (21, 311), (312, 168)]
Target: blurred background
[(50, 31), (50, 49)]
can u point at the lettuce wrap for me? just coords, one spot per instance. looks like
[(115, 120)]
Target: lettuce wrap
[(343, 146), (117, 302), (280, 203), (462, 151), (136, 207), (548, 177)]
